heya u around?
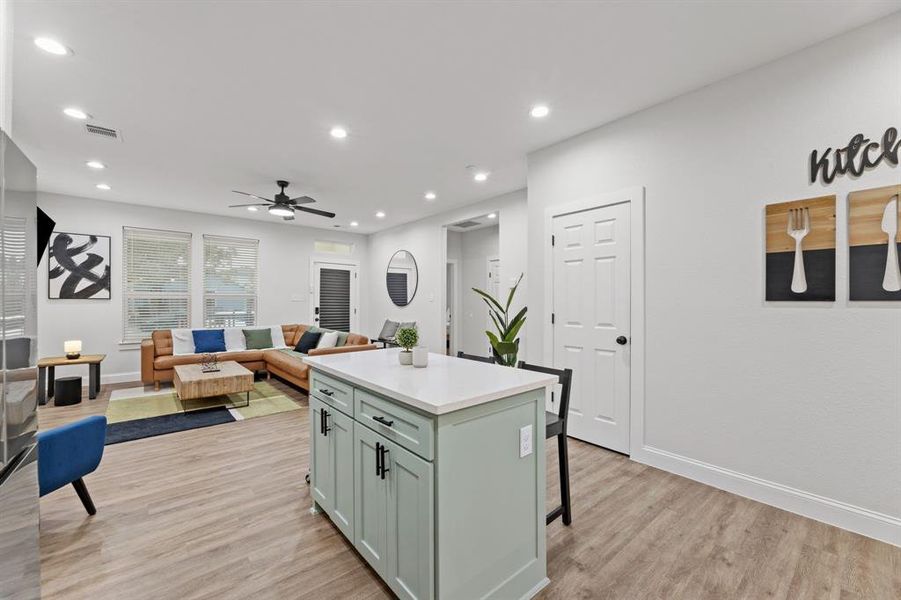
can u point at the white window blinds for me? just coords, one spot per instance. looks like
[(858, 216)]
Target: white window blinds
[(230, 277), (14, 280), (157, 281)]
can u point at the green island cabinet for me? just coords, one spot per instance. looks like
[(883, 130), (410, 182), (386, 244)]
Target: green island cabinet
[(435, 475)]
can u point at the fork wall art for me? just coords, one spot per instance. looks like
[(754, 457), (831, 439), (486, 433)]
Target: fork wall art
[(800, 250), (79, 267), (873, 216)]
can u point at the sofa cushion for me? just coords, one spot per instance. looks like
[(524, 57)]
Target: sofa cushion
[(209, 340), (287, 360), (308, 341), (328, 339), (167, 362), (234, 339), (258, 339), (182, 341)]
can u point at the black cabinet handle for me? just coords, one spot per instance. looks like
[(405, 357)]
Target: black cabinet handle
[(378, 459), (321, 422), (384, 468), (383, 421), (326, 392), (325, 427)]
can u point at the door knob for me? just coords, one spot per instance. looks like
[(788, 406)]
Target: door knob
[(622, 340)]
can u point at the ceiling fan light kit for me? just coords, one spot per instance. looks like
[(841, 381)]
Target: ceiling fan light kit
[(282, 205)]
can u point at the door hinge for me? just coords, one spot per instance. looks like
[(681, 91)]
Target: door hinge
[(552, 318), (552, 240)]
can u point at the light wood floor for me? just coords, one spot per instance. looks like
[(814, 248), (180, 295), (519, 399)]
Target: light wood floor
[(223, 512)]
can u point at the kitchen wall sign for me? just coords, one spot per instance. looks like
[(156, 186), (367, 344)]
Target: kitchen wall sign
[(873, 247), (800, 250), (860, 154)]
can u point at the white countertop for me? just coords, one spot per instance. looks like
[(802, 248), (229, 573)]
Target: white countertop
[(446, 385)]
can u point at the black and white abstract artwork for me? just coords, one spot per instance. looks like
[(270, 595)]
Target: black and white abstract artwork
[(79, 267)]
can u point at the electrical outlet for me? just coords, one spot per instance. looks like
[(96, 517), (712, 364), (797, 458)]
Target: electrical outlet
[(525, 441)]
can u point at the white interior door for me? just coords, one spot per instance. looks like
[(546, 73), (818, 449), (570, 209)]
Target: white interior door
[(591, 282), (335, 297), (493, 288)]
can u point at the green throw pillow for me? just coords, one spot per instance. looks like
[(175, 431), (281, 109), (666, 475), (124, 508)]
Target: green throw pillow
[(258, 339), (342, 335)]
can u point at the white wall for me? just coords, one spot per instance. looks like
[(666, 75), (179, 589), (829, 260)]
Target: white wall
[(426, 240), (6, 65), (795, 404), (284, 286), (476, 247)]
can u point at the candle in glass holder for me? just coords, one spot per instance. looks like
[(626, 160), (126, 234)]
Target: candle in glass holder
[(72, 348)]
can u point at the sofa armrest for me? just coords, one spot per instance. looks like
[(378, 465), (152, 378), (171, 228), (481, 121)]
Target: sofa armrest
[(341, 349), (148, 350)]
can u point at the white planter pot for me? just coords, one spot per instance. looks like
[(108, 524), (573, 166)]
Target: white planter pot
[(406, 358), (420, 356)]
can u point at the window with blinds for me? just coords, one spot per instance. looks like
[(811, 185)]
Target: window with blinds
[(14, 277), (156, 279), (334, 299), (230, 278)]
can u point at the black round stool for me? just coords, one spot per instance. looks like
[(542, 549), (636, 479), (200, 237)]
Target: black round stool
[(67, 391)]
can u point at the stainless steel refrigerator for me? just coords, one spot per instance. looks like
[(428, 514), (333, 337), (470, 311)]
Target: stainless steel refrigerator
[(20, 576)]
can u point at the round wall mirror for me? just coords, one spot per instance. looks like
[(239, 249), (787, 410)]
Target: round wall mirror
[(402, 278)]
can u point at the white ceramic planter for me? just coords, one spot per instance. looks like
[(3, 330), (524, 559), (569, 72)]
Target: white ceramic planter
[(420, 356), (406, 358)]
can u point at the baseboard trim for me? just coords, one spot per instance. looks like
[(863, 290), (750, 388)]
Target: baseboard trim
[(866, 522), (116, 378)]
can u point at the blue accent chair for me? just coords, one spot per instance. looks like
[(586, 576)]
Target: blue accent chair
[(66, 454)]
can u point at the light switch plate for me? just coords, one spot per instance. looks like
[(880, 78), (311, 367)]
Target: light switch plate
[(525, 441)]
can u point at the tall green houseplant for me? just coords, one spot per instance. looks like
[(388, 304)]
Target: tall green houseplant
[(504, 342)]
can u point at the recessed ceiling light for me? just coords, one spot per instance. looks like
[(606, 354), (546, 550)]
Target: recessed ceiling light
[(430, 195), (539, 111), (76, 113), (52, 46), (338, 132), (480, 176), (103, 186), (492, 216), (354, 224), (380, 215), (253, 208), (95, 164)]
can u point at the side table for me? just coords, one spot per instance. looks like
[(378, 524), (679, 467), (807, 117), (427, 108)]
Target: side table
[(46, 379)]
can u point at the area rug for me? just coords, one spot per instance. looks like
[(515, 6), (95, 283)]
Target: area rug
[(134, 414)]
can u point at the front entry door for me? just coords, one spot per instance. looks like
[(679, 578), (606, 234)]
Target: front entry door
[(335, 296), (591, 280)]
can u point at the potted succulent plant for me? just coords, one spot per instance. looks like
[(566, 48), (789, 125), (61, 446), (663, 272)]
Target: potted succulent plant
[(406, 338)]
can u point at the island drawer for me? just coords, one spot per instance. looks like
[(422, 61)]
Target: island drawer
[(333, 392), (413, 431)]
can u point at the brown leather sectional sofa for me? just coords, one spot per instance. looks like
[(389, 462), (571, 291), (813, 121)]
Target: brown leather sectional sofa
[(157, 360)]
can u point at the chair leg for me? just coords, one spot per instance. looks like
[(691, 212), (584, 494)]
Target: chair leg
[(84, 496), (564, 478)]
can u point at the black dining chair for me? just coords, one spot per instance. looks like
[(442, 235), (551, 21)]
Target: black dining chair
[(555, 425), (489, 359)]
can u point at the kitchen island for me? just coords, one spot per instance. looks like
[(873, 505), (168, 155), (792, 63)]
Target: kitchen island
[(435, 475)]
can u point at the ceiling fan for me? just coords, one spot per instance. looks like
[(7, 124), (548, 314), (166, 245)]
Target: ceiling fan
[(283, 206)]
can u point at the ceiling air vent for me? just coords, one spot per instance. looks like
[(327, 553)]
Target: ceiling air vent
[(106, 132), (466, 224)]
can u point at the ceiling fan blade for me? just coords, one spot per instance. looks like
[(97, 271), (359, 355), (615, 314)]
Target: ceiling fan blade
[(302, 200), (254, 196), (314, 211), (240, 205)]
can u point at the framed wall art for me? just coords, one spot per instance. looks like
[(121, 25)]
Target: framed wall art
[(873, 247), (79, 267), (800, 250)]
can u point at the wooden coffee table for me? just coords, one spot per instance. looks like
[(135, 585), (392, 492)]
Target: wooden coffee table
[(191, 383)]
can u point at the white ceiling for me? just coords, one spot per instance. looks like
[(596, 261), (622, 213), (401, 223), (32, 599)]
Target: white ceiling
[(233, 95)]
